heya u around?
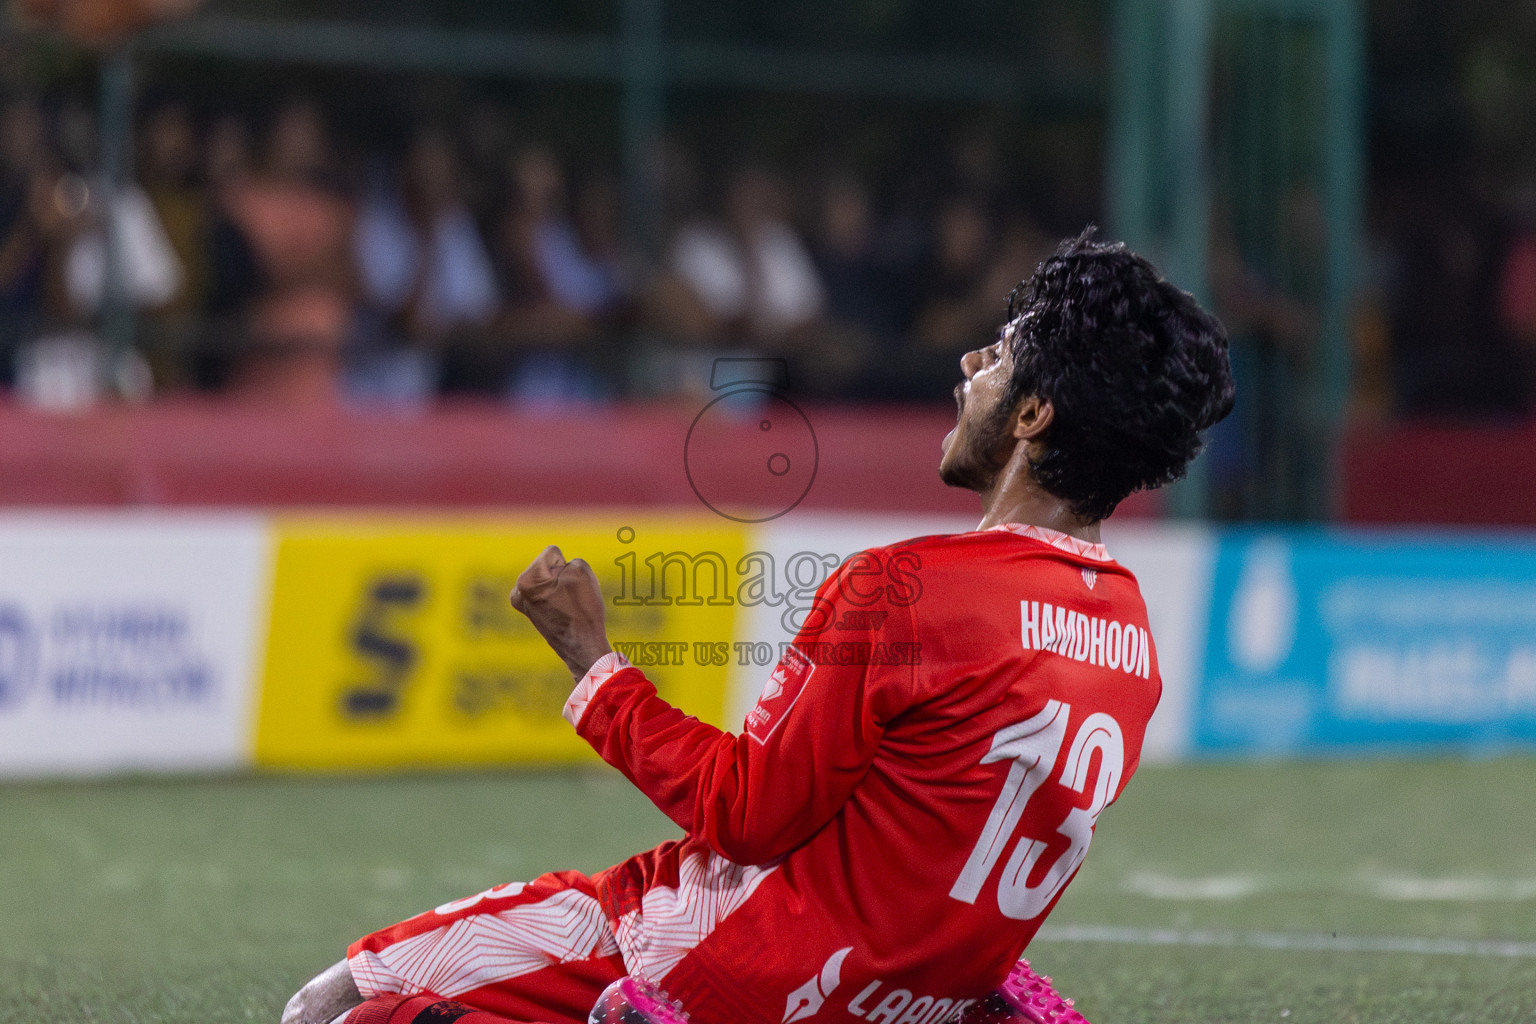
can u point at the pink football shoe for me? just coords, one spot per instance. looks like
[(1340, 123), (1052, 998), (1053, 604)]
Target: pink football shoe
[(1024, 998), (635, 1001)]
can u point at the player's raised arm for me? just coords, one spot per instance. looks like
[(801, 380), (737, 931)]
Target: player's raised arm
[(565, 604), (753, 797)]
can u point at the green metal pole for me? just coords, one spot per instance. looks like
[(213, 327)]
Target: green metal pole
[(644, 110), (1344, 166), (1131, 174), (115, 316), (1188, 85)]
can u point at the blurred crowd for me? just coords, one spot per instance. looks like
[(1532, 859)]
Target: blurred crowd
[(1447, 315), (274, 257), (257, 257)]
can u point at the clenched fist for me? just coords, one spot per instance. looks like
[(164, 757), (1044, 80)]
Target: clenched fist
[(565, 604)]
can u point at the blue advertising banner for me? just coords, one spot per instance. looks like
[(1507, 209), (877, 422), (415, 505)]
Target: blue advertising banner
[(1319, 642)]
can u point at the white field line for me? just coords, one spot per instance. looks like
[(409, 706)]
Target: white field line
[(1210, 887), (1397, 888), (1288, 941)]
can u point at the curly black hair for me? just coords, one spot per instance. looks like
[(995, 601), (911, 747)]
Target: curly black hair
[(1132, 365)]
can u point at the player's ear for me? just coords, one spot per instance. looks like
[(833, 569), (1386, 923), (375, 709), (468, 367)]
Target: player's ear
[(1032, 418)]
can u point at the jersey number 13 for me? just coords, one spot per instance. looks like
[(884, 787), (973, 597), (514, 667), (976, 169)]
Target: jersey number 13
[(1033, 747)]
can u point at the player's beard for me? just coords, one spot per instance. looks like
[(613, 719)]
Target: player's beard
[(985, 452)]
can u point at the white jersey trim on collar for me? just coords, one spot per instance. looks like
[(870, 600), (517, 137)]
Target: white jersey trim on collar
[(1055, 538)]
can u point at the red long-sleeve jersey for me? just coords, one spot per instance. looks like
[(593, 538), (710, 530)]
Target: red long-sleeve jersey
[(905, 804)]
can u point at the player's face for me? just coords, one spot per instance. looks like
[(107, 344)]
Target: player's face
[(981, 444)]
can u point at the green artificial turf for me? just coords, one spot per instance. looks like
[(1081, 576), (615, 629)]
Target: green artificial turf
[(1429, 850), (211, 900)]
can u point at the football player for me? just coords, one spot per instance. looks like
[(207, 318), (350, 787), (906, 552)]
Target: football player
[(911, 795)]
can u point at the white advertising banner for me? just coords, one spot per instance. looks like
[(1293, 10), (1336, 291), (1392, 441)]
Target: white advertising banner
[(802, 549), (1173, 566), (129, 643), (138, 642)]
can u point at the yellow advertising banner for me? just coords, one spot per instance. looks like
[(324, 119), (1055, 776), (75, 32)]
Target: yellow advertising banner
[(391, 642)]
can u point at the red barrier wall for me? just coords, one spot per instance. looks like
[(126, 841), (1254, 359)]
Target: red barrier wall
[(1441, 474), (201, 453)]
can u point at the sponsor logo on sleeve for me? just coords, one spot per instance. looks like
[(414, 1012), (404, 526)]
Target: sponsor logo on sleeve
[(779, 694)]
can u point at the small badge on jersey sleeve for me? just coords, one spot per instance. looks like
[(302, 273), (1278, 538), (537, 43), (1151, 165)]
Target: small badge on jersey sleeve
[(779, 694)]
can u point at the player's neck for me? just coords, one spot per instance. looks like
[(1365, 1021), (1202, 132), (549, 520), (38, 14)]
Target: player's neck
[(1017, 497)]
